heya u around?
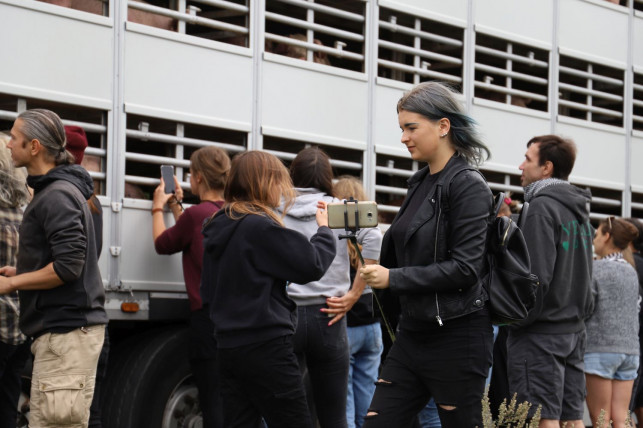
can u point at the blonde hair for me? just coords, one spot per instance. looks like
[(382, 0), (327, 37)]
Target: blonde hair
[(257, 183), (345, 187), (13, 186)]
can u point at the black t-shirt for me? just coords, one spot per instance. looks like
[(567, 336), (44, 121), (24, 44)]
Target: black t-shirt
[(362, 312)]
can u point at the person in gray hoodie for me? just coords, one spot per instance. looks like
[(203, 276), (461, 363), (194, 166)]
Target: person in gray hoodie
[(57, 276), (545, 351), (321, 342)]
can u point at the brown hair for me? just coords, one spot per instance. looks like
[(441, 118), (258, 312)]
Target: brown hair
[(311, 168), (621, 231), (638, 242), (559, 151), (345, 187), (256, 184), (213, 164)]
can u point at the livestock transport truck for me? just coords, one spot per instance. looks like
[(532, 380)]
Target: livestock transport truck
[(151, 81)]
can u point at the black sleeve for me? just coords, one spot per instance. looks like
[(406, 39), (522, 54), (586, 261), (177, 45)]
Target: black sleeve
[(288, 254)]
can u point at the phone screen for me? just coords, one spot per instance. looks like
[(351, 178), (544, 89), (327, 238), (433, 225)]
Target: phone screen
[(167, 172)]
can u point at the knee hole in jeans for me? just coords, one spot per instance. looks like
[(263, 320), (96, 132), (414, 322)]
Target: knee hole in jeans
[(382, 382), (447, 407)]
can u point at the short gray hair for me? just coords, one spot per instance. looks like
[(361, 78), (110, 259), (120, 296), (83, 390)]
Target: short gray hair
[(46, 127), (13, 186), (435, 101)]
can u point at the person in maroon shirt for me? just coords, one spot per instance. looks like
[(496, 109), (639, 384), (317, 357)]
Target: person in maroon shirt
[(209, 167)]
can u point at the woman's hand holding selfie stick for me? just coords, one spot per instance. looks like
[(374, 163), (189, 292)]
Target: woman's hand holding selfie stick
[(375, 275)]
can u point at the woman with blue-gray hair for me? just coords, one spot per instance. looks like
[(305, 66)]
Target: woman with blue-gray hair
[(433, 259)]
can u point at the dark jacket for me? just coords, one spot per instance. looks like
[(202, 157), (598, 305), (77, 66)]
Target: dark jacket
[(57, 227), (440, 276), (559, 237), (247, 263)]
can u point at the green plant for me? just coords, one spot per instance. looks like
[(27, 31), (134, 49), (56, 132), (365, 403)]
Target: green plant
[(512, 415)]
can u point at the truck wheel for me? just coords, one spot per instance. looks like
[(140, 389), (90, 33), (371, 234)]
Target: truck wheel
[(150, 384)]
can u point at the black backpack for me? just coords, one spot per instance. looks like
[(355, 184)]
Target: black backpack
[(507, 279), (509, 282)]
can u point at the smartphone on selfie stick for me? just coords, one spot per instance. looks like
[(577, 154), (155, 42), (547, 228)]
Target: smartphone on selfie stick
[(167, 172), (350, 215)]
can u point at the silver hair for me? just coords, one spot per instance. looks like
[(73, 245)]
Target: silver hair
[(46, 127), (13, 186), (435, 101)]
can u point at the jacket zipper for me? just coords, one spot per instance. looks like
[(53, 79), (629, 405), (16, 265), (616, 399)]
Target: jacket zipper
[(435, 260)]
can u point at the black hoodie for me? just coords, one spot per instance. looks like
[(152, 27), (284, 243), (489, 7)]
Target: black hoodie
[(57, 227), (559, 237), (247, 263)]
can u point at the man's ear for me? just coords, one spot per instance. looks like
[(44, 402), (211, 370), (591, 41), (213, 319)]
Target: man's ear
[(548, 169), (36, 147)]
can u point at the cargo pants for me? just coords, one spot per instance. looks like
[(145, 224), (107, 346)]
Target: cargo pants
[(64, 373)]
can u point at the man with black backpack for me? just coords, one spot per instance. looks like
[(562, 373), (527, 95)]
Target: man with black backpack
[(545, 351)]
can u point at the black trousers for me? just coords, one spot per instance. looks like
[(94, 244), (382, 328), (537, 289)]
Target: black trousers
[(12, 361), (499, 387), (263, 380), (203, 363), (448, 363), (324, 356)]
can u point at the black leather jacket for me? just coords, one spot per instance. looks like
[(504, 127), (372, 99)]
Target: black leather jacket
[(440, 276)]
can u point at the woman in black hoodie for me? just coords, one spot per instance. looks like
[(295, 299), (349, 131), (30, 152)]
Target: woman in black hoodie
[(249, 258)]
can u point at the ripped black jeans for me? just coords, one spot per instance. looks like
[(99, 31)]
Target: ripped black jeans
[(449, 363)]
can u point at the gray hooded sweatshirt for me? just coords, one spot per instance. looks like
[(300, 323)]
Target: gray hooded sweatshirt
[(336, 282)]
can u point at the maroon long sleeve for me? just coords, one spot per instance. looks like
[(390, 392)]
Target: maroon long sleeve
[(186, 236)]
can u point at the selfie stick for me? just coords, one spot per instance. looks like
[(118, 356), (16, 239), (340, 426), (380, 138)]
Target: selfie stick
[(351, 235)]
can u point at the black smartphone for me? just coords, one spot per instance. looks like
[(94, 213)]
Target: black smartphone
[(167, 172)]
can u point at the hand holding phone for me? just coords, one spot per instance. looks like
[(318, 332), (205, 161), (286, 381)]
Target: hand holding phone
[(167, 173), (322, 214)]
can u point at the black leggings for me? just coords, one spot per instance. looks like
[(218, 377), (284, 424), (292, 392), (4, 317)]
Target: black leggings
[(448, 363), (203, 363)]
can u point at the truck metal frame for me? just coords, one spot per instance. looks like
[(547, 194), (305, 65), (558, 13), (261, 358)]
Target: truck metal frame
[(152, 81)]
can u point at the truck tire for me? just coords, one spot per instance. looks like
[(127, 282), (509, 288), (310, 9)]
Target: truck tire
[(150, 383)]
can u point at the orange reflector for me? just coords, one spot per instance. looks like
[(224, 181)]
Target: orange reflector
[(129, 307)]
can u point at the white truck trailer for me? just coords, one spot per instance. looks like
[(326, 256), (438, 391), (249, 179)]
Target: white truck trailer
[(151, 81)]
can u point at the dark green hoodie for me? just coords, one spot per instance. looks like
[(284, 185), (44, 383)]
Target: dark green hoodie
[(57, 227)]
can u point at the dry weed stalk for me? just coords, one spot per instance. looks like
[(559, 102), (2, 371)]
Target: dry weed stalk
[(512, 415)]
